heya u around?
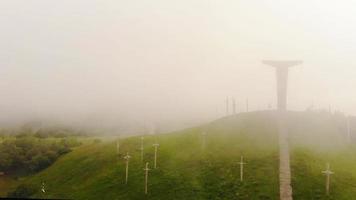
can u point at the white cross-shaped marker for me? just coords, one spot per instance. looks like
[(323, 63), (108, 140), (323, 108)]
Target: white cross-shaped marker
[(242, 163), (127, 158), (43, 188), (146, 177), (327, 173)]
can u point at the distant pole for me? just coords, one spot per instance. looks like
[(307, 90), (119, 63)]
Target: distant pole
[(234, 106), (247, 105), (127, 158), (203, 145), (327, 173), (156, 145), (146, 177), (227, 106), (242, 163), (348, 128), (142, 138), (118, 146)]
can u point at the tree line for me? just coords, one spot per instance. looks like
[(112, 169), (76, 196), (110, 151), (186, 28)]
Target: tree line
[(28, 154)]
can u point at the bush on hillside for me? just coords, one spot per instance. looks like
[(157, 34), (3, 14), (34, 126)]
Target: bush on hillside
[(32, 154), (22, 191)]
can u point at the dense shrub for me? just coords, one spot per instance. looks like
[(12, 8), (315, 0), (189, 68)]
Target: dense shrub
[(28, 153), (22, 191)]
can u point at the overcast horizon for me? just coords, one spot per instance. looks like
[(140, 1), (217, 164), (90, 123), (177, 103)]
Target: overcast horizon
[(170, 61)]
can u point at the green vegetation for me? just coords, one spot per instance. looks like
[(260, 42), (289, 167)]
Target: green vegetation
[(23, 191), (318, 139), (309, 182), (30, 154), (185, 170), (188, 171)]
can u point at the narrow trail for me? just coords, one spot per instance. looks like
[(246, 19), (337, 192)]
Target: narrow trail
[(285, 187)]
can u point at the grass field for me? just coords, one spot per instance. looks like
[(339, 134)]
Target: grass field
[(185, 169), (188, 171), (318, 139)]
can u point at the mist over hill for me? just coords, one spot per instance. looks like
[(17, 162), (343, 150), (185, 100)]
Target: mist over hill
[(190, 170)]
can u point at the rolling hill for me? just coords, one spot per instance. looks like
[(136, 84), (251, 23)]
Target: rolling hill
[(187, 170)]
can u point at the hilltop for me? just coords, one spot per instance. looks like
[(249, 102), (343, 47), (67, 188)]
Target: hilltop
[(187, 170)]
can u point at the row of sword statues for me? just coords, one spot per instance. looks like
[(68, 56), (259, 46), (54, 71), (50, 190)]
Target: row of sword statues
[(156, 145), (146, 169), (127, 157), (327, 172)]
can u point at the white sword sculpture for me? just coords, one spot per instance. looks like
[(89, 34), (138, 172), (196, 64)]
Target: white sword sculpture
[(43, 189), (327, 173), (127, 158), (156, 145), (118, 146), (242, 163), (146, 177)]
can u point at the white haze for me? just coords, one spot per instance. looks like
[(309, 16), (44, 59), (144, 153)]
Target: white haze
[(113, 62)]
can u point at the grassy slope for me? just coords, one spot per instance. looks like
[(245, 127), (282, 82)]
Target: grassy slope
[(6, 184), (185, 170), (316, 140), (94, 171)]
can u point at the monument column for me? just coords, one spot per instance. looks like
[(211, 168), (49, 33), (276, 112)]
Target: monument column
[(285, 187)]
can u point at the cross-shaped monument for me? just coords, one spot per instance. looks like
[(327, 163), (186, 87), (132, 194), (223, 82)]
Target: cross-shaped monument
[(282, 79), (146, 169), (327, 173), (156, 145), (127, 158), (282, 66), (242, 163)]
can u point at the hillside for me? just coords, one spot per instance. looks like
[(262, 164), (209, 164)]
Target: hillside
[(188, 171)]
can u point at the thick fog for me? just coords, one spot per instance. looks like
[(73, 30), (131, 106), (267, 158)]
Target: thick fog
[(115, 62)]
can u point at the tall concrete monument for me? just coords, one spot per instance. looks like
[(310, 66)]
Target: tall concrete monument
[(282, 67), (282, 79)]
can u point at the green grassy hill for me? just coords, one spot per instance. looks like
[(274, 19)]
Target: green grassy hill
[(317, 139), (188, 171)]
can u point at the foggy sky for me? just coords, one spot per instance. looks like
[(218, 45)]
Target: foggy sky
[(159, 60)]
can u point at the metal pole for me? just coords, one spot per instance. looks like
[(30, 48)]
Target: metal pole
[(246, 105), (227, 106), (127, 157), (348, 129), (118, 146), (146, 178), (327, 184), (127, 171), (142, 138), (242, 172)]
